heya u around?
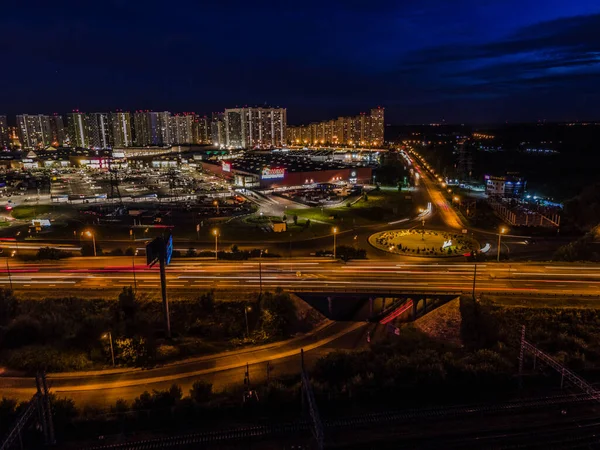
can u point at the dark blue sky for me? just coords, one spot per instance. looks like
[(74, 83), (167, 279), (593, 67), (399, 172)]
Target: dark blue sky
[(424, 60)]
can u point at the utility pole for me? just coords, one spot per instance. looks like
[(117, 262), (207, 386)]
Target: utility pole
[(160, 250), (133, 268), (246, 307), (260, 273), (8, 272), (474, 278), (163, 290)]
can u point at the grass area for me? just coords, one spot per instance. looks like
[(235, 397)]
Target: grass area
[(28, 212), (567, 329), (376, 206), (534, 302), (422, 242)]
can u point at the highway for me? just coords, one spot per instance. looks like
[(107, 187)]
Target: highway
[(193, 275)]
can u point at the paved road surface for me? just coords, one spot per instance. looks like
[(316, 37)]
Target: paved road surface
[(315, 275)]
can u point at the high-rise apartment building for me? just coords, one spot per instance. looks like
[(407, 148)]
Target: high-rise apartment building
[(152, 128), (57, 128), (377, 126), (99, 131), (4, 142), (217, 130), (182, 128), (255, 127), (235, 128), (121, 129), (79, 130), (201, 132), (362, 130), (34, 131), (141, 127)]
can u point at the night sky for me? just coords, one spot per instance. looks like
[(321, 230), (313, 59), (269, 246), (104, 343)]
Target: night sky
[(424, 60)]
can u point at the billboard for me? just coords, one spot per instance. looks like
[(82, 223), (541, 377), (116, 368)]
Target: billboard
[(272, 173), (226, 166)]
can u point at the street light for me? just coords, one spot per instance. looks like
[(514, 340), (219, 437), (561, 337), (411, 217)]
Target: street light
[(502, 231), (133, 267), (260, 270), (89, 233), (334, 241), (246, 309), (216, 203), (216, 234), (108, 336)]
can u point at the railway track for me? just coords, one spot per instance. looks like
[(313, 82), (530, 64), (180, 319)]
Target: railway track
[(365, 420)]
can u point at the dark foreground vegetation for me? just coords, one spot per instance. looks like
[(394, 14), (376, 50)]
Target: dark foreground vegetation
[(64, 334), (405, 371)]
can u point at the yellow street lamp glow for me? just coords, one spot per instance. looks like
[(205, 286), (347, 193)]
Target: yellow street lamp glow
[(456, 198), (335, 229), (88, 233), (503, 230), (215, 232)]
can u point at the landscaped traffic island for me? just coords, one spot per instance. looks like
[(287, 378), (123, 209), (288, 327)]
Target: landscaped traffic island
[(419, 242)]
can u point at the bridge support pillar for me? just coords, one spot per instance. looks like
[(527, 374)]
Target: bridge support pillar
[(414, 308), (370, 307), (382, 303), (330, 306), (424, 305)]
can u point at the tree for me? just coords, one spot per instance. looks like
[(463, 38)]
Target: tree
[(278, 313), (8, 306), (88, 249), (284, 218), (295, 218), (207, 301), (129, 251), (234, 248), (51, 253), (128, 303), (307, 223), (191, 252), (201, 391)]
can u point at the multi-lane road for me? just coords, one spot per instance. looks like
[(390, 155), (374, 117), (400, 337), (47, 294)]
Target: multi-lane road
[(111, 274)]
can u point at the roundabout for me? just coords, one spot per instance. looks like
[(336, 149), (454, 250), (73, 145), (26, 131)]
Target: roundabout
[(428, 243)]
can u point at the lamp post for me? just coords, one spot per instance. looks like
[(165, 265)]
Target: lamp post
[(246, 309), (16, 240), (216, 234), (502, 231), (334, 241), (108, 335), (133, 268), (89, 233), (260, 272)]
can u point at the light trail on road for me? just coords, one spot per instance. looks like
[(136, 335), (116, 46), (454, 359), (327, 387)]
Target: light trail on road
[(315, 275)]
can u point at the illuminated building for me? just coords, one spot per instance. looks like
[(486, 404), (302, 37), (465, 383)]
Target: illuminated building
[(255, 127), (364, 130), (201, 132), (217, 129), (4, 141), (34, 131), (99, 131), (57, 128), (181, 128), (121, 129), (78, 130), (377, 126)]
